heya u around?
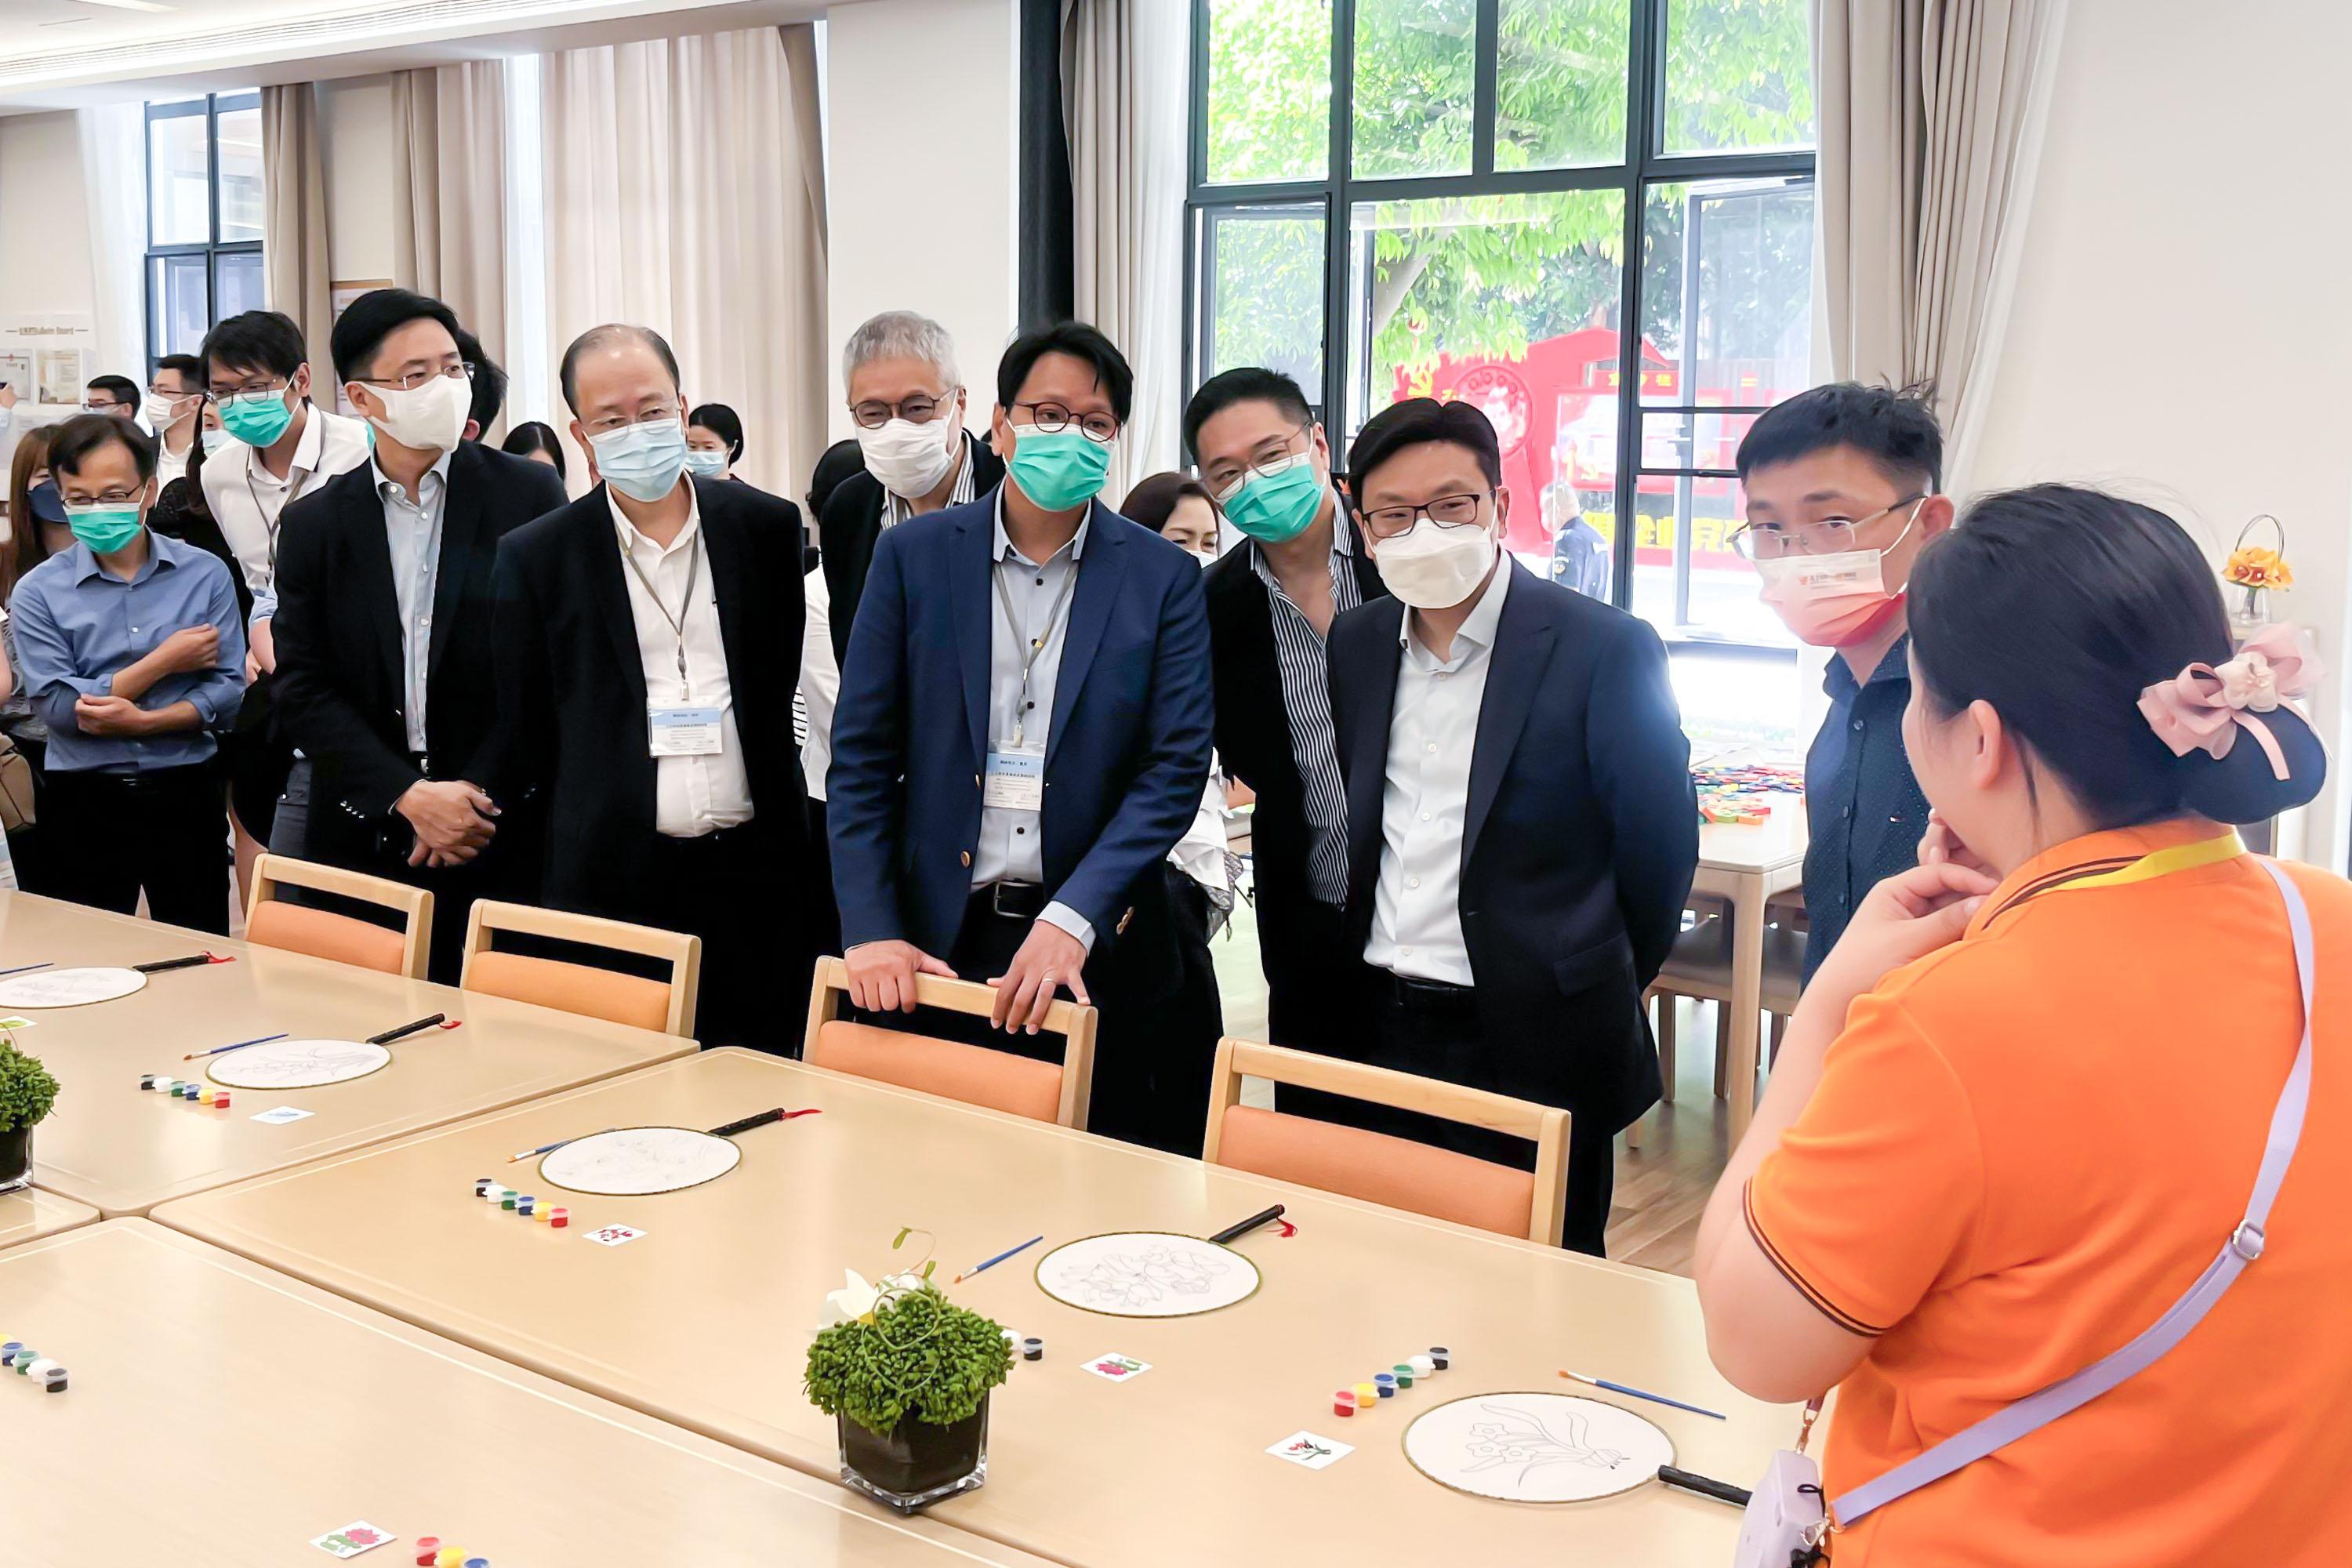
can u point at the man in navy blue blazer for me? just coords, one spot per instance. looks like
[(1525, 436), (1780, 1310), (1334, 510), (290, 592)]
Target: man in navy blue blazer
[(1023, 734)]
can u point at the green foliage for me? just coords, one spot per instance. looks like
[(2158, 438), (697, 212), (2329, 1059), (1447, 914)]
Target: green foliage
[(26, 1089), (919, 1354)]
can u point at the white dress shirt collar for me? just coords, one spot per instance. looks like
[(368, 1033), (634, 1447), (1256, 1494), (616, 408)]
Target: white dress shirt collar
[(1000, 547), (386, 487), (629, 536)]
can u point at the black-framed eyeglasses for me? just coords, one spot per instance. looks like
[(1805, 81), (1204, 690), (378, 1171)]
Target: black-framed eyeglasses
[(1226, 480), (410, 380), (919, 409), (1053, 418), (252, 386), (1446, 511), (1829, 536)]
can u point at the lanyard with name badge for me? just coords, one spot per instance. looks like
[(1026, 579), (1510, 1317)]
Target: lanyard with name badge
[(679, 729), (1016, 775)]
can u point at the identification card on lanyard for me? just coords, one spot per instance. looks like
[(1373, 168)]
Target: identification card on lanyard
[(1015, 780), (684, 728)]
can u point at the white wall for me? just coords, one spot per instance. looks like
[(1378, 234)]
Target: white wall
[(2182, 323), (44, 216), (923, 137)]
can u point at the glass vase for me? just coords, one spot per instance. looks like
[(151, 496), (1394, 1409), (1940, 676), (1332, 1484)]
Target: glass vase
[(2250, 612), (15, 1158), (918, 1464)]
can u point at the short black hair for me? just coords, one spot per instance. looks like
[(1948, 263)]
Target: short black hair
[(256, 340), (78, 438), (531, 435), (1895, 429), (375, 316), (841, 459), (187, 366), (1248, 384), (1415, 421), (1153, 501), (122, 388), (723, 422), (1079, 341), (596, 338), (490, 381)]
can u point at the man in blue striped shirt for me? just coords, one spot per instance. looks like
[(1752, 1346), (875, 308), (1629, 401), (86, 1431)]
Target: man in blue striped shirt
[(133, 653)]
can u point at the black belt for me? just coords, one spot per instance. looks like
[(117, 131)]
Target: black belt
[(1010, 900), (1413, 995)]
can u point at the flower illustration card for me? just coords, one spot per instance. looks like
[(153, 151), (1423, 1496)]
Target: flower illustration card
[(1113, 1367), (353, 1540), (1314, 1453)]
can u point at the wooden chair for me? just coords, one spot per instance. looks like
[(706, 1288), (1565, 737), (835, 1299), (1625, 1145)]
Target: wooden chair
[(1382, 1169), (666, 1005), (999, 1080), (1699, 967), (271, 921)]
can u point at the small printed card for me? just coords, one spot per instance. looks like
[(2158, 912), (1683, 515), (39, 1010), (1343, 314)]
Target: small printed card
[(1117, 1368), (1313, 1452), (278, 1116), (612, 1234), (8, 1024), (353, 1540)]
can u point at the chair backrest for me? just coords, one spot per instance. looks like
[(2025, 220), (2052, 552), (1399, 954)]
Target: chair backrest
[(1382, 1169), (999, 1080), (271, 921), (666, 1005)]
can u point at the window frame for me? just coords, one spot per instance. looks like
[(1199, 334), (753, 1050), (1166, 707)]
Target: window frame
[(212, 106), (1644, 167)]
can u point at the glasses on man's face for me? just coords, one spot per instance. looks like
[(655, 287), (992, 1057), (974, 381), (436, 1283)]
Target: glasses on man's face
[(1446, 511), (1226, 477), (1828, 536), (605, 424), (101, 405), (1053, 418), (919, 409), (113, 496), (409, 381), (251, 386)]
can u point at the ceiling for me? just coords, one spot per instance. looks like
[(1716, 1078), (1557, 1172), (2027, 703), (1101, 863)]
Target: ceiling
[(58, 54)]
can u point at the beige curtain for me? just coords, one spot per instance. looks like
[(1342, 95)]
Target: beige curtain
[(294, 256), (680, 197), (448, 192), (1123, 86), (1932, 115)]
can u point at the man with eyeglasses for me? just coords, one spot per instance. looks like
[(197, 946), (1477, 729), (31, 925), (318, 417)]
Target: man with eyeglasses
[(648, 639), (1522, 830), (1268, 467), (116, 396), (173, 411), (384, 620), (1841, 485), (1022, 735), (906, 401)]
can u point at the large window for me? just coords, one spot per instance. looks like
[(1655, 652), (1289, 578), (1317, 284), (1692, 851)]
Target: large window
[(204, 217), (1394, 198)]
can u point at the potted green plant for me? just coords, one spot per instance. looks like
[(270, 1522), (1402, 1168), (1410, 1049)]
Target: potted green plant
[(26, 1092), (906, 1375)]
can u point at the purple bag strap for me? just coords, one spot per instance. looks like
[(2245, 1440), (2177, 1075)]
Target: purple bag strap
[(2245, 1244)]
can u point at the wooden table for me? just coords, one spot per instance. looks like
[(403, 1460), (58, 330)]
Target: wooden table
[(703, 1320), (221, 1416), (29, 1213), (124, 1149), (1744, 867)]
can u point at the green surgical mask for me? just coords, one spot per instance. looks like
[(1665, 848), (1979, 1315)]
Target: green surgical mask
[(105, 528), (256, 418), (1058, 469), (1277, 507)]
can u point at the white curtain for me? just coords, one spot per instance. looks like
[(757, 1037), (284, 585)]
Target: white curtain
[(679, 196), (448, 192), (1123, 101), (294, 246), (114, 174), (1932, 117)]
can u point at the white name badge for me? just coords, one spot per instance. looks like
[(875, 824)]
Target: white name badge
[(684, 732), (1017, 781)]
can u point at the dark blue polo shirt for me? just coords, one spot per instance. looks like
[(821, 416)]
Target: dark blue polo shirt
[(1864, 808)]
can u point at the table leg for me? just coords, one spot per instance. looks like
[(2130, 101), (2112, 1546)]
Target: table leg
[(1746, 1001)]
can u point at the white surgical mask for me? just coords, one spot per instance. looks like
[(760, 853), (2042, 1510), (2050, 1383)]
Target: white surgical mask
[(215, 440), (427, 419), (161, 410), (911, 459), (1433, 568), (705, 465)]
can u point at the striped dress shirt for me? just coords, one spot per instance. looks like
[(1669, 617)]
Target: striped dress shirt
[(1307, 703)]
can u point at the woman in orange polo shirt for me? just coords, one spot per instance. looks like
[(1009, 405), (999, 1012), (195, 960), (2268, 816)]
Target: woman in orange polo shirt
[(2022, 1106)]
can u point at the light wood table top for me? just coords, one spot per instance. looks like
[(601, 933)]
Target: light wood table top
[(125, 1149), (29, 1213), (222, 1416), (703, 1320), (1768, 845)]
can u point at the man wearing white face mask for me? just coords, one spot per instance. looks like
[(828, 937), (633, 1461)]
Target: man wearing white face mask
[(908, 401), (384, 619), (1840, 486), (175, 395), (1521, 826)]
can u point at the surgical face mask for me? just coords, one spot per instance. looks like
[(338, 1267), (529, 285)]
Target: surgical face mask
[(1433, 568), (161, 410), (909, 459), (1833, 601), (47, 504), (427, 419), (642, 461), (215, 440), (709, 465), (1059, 469), (1277, 507), (105, 528), (257, 418), (1207, 558)]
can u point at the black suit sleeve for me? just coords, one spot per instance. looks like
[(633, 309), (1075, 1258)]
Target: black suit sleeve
[(319, 714), (1641, 768), (519, 752), (542, 492)]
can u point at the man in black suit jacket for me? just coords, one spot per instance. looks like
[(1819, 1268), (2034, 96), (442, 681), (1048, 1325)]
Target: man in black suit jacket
[(384, 620), (1522, 830), (649, 642), (1271, 601), (907, 398)]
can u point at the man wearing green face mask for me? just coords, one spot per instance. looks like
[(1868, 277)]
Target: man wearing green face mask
[(134, 655)]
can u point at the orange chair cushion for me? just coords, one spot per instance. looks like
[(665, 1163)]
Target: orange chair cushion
[(324, 934), (973, 1074), (1379, 1169), (571, 988)]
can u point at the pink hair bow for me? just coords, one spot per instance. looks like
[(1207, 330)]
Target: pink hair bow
[(2205, 706)]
